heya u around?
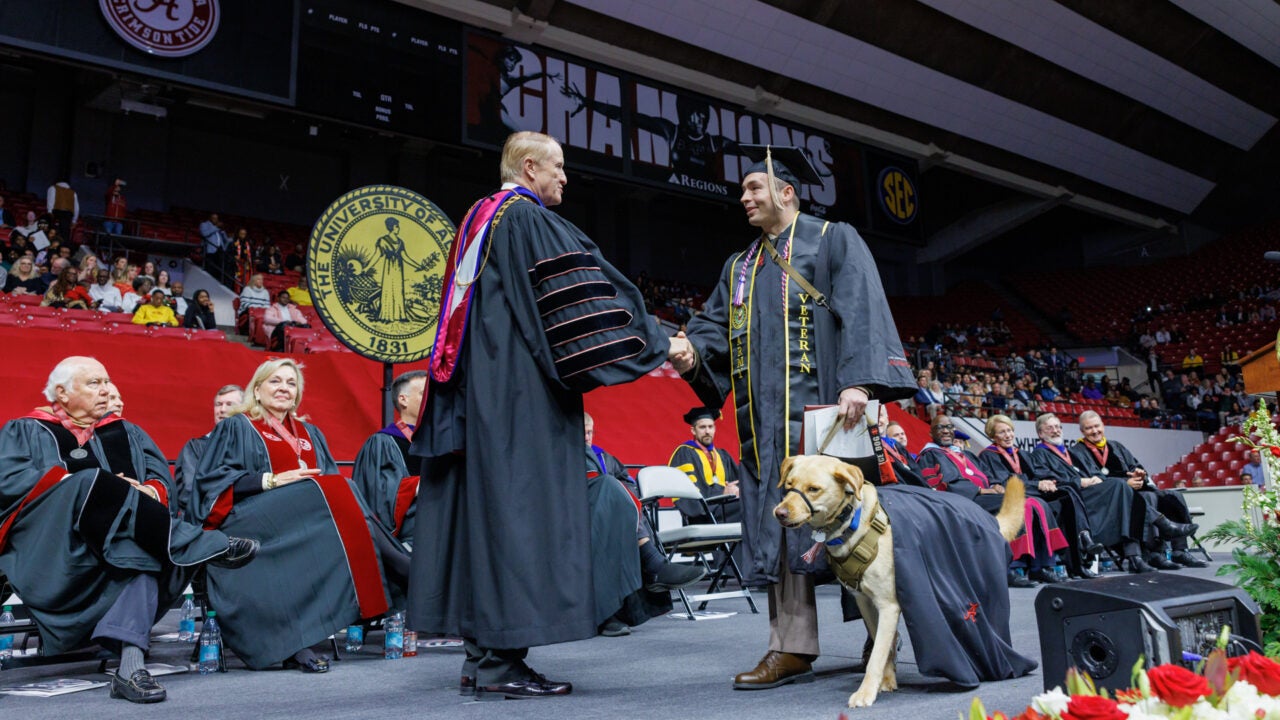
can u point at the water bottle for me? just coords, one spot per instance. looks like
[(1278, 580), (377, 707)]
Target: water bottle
[(1060, 572), (210, 645), (6, 641), (355, 638), (187, 621), (410, 643), (1107, 565), (393, 636)]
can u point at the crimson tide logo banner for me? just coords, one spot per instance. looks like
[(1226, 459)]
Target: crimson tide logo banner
[(165, 28)]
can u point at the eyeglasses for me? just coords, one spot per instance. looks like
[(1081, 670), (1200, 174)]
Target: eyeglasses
[(944, 427)]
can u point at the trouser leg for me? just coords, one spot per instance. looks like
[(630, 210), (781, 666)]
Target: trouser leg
[(129, 619), (793, 611), (395, 561), (1172, 505), (494, 666)]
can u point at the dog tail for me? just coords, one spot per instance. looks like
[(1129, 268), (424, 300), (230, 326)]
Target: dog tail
[(1011, 514)]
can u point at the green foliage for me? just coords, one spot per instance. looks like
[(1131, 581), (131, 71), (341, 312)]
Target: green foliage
[(1255, 566)]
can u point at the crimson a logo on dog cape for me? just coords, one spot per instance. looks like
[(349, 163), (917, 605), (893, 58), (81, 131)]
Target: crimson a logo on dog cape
[(167, 28)]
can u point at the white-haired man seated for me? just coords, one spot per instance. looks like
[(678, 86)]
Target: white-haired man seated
[(86, 536)]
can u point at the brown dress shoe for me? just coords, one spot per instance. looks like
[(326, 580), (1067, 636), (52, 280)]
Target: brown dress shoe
[(775, 669)]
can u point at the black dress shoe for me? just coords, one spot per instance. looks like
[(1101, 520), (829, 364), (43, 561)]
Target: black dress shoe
[(1089, 546), (311, 663), (613, 627), (239, 552), (1160, 562), (139, 688), (1048, 577), (522, 690), (1019, 581), (560, 686), (1186, 559), (1086, 573), (1138, 565), (1170, 529), (674, 577), (467, 686)]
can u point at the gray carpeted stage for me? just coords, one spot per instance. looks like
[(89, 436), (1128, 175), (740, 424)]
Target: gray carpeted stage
[(665, 669)]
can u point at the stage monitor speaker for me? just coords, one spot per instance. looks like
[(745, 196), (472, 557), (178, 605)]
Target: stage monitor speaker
[(1102, 626)]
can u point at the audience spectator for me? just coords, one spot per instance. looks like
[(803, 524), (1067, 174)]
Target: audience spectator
[(1048, 392), (64, 205), (6, 217), (1254, 468), (251, 296), (121, 280), (138, 295), (278, 316), (105, 296), (149, 271), (199, 313), (294, 261), (270, 261), (215, 243), (116, 208), (1091, 391), (162, 282), (1193, 360), (88, 271), (301, 293), (177, 300), (23, 279), (930, 396), (157, 312), (66, 292)]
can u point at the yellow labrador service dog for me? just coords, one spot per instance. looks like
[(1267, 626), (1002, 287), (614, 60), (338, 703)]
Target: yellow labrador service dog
[(832, 498)]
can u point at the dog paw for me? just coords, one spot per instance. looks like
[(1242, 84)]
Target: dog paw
[(890, 681), (863, 698)]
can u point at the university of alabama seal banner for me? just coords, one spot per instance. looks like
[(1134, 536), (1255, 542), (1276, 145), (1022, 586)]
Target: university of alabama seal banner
[(167, 28), (375, 263)]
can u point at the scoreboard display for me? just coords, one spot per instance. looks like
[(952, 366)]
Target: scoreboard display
[(380, 64)]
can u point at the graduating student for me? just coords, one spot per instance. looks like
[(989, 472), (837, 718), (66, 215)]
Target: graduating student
[(800, 318)]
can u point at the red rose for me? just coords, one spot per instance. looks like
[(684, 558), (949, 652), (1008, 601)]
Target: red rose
[(1257, 670), (1092, 707), (1274, 450), (1177, 685)]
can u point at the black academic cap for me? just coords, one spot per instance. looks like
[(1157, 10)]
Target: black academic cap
[(790, 164), (699, 413)]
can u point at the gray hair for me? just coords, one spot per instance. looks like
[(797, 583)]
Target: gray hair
[(1088, 415), (64, 375), (226, 389), (1043, 420), (401, 384)]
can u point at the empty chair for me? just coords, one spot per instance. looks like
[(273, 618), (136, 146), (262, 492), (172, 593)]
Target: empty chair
[(703, 540)]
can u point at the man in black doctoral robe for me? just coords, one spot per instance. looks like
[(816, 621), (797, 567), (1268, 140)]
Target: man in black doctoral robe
[(532, 317), (800, 318), (712, 469), (381, 469), (184, 469), (1107, 501), (86, 537), (1164, 513)]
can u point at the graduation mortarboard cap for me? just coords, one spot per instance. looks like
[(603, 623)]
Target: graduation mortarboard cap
[(699, 413), (790, 164)]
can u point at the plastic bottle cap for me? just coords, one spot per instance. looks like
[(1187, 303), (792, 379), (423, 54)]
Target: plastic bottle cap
[(191, 596), (212, 613), (7, 608)]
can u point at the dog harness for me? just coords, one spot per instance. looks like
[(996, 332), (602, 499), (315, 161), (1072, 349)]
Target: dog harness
[(853, 565)]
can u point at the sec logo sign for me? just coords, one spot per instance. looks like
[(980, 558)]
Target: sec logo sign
[(897, 195), (375, 263), (168, 28)]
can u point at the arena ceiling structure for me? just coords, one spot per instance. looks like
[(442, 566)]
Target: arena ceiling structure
[(1150, 115)]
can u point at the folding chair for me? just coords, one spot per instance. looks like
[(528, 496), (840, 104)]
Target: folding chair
[(661, 481), (26, 626)]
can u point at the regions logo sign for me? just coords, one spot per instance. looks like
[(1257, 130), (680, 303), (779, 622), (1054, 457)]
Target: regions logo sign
[(167, 28), (375, 264), (897, 195)]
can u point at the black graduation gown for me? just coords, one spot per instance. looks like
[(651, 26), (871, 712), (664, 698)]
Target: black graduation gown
[(66, 584), (781, 362), (382, 474), (299, 589), (693, 462), (503, 551), (615, 561), (1107, 504), (184, 471), (951, 564), (1040, 536), (1152, 500)]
